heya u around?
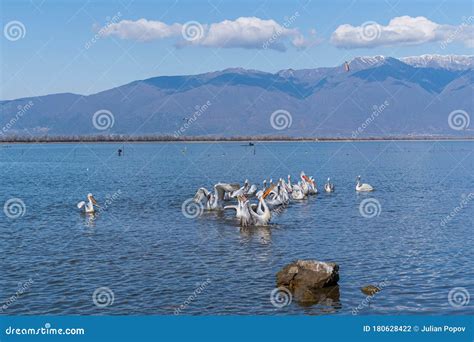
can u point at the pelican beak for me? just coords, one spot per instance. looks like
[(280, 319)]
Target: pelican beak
[(267, 191), (93, 200)]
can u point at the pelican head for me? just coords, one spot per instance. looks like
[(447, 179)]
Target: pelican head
[(91, 198)]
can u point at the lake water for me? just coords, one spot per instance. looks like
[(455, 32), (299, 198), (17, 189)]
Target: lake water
[(155, 260)]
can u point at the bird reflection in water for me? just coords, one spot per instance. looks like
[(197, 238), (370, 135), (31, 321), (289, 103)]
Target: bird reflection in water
[(89, 219), (262, 233)]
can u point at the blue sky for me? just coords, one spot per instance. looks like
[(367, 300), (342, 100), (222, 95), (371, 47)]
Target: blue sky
[(56, 51)]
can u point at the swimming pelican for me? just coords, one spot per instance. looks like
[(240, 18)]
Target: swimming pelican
[(89, 206), (313, 187), (297, 193), (289, 188), (245, 216), (329, 187), (307, 185), (363, 187), (261, 192), (263, 215), (214, 200)]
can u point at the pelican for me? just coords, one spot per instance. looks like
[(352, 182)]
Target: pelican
[(275, 193), (242, 190), (297, 193), (363, 187), (329, 187), (288, 185), (245, 216), (89, 206), (263, 215), (237, 207), (246, 190), (313, 187), (214, 200), (261, 192)]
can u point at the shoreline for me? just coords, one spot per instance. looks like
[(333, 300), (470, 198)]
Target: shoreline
[(247, 140)]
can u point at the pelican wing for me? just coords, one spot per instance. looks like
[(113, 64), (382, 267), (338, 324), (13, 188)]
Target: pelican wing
[(222, 188), (81, 204), (251, 192), (201, 194)]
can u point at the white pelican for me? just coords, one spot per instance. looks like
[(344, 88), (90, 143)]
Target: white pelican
[(308, 186), (275, 194), (246, 190), (329, 187), (313, 187), (362, 187), (263, 215), (297, 193), (261, 192), (214, 200), (245, 216), (89, 206), (288, 185)]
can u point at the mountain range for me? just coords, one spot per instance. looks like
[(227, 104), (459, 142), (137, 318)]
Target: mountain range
[(365, 97)]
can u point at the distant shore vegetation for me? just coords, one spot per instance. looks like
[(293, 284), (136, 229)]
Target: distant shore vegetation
[(171, 138)]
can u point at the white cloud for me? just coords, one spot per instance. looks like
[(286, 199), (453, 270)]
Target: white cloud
[(243, 32), (249, 33), (142, 30), (403, 30)]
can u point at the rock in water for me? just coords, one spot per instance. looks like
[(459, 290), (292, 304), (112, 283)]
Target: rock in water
[(370, 290), (304, 277)]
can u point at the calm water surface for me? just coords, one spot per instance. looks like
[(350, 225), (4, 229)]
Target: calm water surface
[(153, 258)]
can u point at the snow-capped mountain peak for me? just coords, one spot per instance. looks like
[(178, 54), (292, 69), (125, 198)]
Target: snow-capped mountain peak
[(450, 62)]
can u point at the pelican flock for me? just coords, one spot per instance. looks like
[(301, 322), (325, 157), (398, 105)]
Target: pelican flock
[(254, 207), (270, 198)]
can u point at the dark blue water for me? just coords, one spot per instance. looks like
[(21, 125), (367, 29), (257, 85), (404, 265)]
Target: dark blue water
[(153, 258)]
